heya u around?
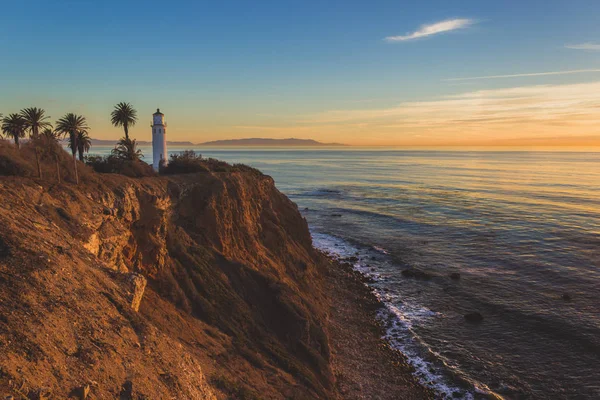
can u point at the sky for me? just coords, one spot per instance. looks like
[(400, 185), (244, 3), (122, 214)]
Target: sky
[(385, 73)]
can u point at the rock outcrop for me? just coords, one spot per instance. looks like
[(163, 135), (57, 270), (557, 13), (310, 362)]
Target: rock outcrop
[(138, 285), (474, 317), (196, 286)]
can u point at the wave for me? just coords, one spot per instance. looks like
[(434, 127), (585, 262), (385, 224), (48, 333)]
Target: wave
[(398, 318)]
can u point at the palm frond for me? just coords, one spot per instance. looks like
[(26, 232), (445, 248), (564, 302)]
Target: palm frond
[(35, 120), (123, 115), (126, 149), (71, 124), (13, 125)]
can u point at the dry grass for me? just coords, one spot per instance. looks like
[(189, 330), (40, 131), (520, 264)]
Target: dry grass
[(22, 162)]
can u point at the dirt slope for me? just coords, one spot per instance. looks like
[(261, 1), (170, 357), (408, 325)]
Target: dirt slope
[(233, 306)]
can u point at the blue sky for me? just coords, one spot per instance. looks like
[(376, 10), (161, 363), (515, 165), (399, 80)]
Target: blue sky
[(276, 68)]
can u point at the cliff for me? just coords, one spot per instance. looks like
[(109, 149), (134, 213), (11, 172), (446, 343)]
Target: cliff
[(190, 287)]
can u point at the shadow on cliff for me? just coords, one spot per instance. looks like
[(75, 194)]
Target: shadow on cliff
[(233, 308)]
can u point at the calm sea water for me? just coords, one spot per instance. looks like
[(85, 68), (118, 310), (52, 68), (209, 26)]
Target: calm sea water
[(521, 228)]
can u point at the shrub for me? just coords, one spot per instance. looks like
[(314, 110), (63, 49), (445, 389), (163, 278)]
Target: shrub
[(186, 162), (116, 165), (189, 162), (246, 168)]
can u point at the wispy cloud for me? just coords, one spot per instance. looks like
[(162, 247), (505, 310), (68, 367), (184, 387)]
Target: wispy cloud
[(523, 111), (433, 29), (570, 72), (502, 115), (584, 46)]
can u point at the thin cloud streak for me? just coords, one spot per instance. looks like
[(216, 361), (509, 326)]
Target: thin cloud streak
[(433, 29), (520, 115), (584, 46), (575, 71), (572, 104)]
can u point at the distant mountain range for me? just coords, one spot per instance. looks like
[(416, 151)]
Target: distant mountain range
[(112, 142), (291, 142), (268, 142)]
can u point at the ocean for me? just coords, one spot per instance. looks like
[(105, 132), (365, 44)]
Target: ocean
[(521, 228)]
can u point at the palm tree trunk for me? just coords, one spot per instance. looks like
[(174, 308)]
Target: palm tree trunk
[(74, 147), (57, 167), (80, 151), (76, 174), (37, 162), (16, 141), (126, 130)]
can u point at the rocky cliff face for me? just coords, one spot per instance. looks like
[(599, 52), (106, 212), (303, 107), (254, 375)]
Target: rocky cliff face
[(188, 287)]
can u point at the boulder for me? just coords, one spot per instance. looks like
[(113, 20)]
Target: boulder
[(455, 276), (138, 285), (63, 213), (80, 392), (474, 317), (126, 391), (416, 273), (85, 392)]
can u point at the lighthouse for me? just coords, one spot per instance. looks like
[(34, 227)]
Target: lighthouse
[(159, 139)]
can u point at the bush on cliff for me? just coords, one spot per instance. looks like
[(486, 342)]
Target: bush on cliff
[(186, 162), (189, 162), (116, 165)]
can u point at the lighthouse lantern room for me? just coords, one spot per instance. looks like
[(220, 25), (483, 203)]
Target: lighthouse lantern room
[(159, 139)]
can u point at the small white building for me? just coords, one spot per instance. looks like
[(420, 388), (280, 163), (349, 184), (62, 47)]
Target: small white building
[(159, 139)]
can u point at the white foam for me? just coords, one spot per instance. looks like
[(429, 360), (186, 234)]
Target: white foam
[(381, 249), (398, 317)]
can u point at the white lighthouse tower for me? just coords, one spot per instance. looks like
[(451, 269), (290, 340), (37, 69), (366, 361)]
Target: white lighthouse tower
[(159, 139)]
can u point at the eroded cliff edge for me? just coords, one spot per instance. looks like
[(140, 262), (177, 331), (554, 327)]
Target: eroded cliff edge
[(233, 306)]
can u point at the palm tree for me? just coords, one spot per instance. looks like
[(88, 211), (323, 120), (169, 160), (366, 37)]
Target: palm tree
[(71, 124), (124, 115), (83, 144), (51, 140), (35, 119), (126, 149), (13, 125)]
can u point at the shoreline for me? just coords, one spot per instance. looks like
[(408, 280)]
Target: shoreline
[(366, 313), (364, 363)]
